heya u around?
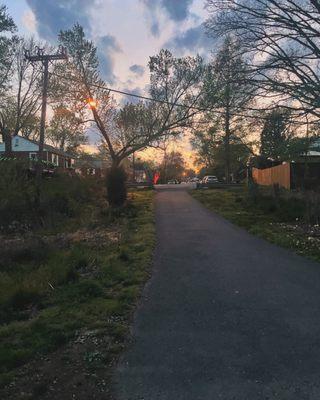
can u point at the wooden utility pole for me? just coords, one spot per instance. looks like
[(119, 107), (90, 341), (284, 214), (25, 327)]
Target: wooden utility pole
[(61, 54), (133, 167)]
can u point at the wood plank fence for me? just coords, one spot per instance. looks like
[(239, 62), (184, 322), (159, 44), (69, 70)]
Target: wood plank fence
[(280, 174)]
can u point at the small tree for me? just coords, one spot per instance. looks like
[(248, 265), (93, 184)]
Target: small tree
[(276, 134), (66, 130), (210, 149), (228, 91), (172, 166)]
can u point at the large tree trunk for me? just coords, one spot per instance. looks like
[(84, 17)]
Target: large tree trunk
[(227, 145), (116, 184), (7, 138)]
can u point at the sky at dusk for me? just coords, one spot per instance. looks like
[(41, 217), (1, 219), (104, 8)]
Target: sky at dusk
[(126, 32)]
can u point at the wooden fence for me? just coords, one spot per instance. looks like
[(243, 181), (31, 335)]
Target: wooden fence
[(280, 175)]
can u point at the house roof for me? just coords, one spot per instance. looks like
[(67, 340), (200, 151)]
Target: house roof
[(48, 147)]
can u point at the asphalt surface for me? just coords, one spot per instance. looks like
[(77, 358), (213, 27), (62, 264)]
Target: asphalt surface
[(225, 315)]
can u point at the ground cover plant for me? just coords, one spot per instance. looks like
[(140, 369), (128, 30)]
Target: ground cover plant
[(287, 219), (66, 297)]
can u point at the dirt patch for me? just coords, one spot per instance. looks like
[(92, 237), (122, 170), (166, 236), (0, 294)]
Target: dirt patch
[(97, 238), (81, 370)]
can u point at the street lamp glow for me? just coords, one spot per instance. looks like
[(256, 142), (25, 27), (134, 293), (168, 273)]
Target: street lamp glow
[(92, 103)]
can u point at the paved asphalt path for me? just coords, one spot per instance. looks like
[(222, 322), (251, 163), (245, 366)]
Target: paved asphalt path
[(224, 316)]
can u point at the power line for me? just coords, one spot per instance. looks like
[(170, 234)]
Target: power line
[(202, 109), (159, 100)]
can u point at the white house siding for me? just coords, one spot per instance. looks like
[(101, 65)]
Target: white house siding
[(21, 144)]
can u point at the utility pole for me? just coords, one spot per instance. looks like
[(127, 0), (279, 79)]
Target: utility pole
[(133, 167), (61, 54)]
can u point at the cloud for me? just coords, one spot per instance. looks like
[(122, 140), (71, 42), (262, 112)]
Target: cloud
[(29, 21), (193, 40), (155, 27), (107, 46), (130, 99), (137, 69), (176, 10), (53, 16)]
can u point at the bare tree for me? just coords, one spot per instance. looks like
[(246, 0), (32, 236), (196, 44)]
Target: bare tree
[(18, 111), (282, 43)]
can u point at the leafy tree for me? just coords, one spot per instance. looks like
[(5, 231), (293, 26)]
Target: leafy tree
[(228, 90), (210, 150), (189, 173), (30, 129), (138, 126), (205, 142), (66, 130), (7, 41), (276, 134), (172, 167)]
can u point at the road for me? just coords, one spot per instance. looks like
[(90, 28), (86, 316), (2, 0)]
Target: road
[(225, 315)]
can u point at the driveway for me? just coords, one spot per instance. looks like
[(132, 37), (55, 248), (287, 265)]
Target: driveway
[(225, 315)]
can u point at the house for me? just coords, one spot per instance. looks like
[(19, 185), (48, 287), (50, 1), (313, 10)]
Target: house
[(91, 167), (23, 148), (313, 155)]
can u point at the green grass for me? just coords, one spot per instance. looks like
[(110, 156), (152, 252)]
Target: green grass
[(48, 295), (276, 221)]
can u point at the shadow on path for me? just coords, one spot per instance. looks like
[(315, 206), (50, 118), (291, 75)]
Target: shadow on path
[(225, 315)]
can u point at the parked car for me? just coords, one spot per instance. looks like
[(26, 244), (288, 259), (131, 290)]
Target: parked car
[(173, 182), (210, 179), (194, 180)]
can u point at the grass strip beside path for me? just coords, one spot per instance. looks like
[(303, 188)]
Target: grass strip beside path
[(65, 312), (281, 224)]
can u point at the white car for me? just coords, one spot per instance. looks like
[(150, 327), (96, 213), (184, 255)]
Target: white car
[(194, 180), (210, 179)]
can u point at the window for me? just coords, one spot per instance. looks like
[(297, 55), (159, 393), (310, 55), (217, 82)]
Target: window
[(54, 159), (16, 142), (33, 156)]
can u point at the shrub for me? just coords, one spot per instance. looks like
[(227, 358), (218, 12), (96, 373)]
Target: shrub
[(62, 196), (283, 205), (65, 195), (116, 186), (17, 193), (253, 192), (312, 209)]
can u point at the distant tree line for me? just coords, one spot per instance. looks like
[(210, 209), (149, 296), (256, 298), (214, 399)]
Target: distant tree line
[(250, 103)]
